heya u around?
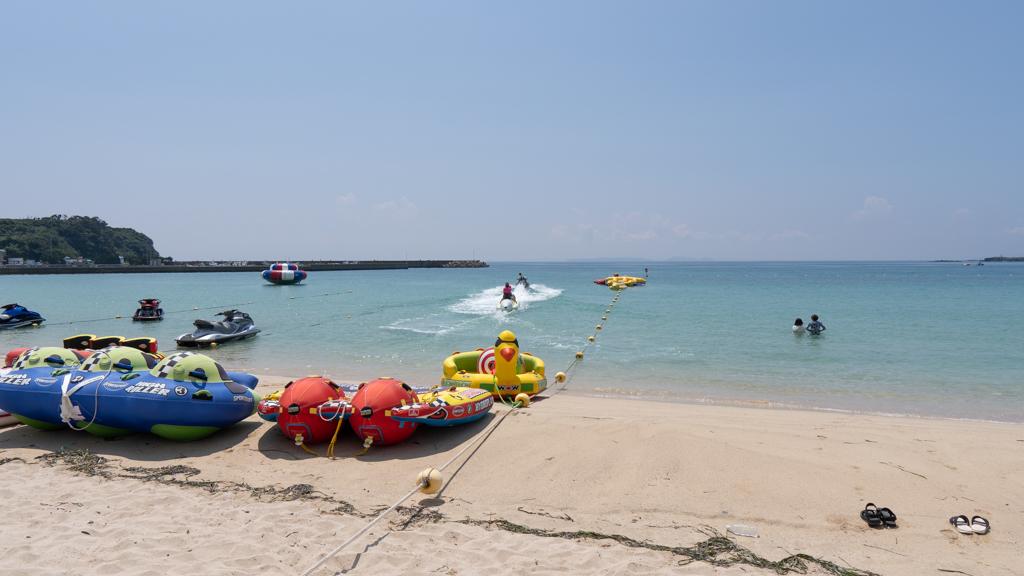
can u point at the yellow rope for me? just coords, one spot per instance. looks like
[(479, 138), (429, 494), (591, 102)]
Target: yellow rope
[(330, 447)]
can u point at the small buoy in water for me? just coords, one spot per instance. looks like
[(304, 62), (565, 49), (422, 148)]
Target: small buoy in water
[(523, 399), (605, 317), (560, 377), (118, 317), (195, 308), (213, 344), (430, 481), (579, 355), (598, 327), (590, 338)]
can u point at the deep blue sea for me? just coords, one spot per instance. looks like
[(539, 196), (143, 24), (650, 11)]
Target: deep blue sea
[(933, 339)]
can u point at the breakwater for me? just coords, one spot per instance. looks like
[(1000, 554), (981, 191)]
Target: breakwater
[(246, 266)]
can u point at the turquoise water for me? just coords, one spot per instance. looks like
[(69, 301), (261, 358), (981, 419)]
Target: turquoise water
[(911, 338)]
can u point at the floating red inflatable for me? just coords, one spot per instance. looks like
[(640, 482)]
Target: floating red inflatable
[(371, 411), (311, 407)]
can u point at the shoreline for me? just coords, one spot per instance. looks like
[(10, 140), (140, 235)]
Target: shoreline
[(666, 475), (308, 266)]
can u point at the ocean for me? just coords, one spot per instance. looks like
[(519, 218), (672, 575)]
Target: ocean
[(929, 339)]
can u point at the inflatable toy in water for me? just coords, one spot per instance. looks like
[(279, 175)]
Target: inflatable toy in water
[(235, 326), (616, 282), (121, 390), (446, 407), (310, 410), (502, 370), (149, 310), (371, 411), (17, 316), (284, 273)]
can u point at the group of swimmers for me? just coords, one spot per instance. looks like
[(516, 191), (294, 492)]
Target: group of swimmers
[(814, 328)]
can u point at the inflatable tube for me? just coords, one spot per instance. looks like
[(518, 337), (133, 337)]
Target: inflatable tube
[(446, 407), (371, 411), (284, 273), (513, 372)]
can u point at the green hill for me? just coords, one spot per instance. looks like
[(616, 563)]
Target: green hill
[(52, 238)]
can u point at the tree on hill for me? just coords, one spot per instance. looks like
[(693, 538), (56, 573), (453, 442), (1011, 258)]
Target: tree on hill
[(53, 238)]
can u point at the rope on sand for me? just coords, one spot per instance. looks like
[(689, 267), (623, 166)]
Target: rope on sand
[(427, 482)]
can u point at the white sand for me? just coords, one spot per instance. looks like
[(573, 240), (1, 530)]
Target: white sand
[(665, 474)]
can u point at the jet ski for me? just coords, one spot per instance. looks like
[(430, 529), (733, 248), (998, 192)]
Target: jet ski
[(508, 305), (16, 316), (523, 282), (235, 326), (149, 310)]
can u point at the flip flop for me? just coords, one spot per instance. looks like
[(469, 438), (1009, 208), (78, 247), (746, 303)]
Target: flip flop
[(979, 525), (962, 524), (888, 517), (870, 514)]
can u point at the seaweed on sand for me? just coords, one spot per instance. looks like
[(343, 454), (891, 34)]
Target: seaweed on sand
[(717, 550), (85, 462)]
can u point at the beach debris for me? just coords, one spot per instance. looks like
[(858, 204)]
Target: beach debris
[(743, 530)]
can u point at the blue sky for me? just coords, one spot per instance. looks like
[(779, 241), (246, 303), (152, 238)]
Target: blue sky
[(522, 131)]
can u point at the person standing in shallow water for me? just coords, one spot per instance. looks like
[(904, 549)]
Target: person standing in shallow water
[(815, 327), (798, 326)]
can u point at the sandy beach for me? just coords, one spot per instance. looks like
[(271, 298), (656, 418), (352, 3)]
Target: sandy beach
[(571, 484)]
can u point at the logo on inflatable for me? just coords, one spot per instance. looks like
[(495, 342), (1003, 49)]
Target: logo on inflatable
[(485, 364)]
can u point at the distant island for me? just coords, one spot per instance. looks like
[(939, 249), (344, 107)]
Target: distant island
[(72, 240), (1004, 259)]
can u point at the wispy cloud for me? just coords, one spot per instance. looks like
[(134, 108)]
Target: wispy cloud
[(874, 207), (345, 199), (1018, 231), (401, 206)]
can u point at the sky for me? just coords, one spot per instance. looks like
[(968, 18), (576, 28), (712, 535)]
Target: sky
[(532, 130)]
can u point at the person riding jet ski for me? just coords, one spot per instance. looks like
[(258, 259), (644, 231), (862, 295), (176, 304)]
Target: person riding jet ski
[(508, 299), (235, 326), (16, 316), (522, 281)]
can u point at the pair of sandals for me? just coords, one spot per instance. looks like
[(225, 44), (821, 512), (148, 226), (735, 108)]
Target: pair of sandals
[(976, 525), (878, 517)]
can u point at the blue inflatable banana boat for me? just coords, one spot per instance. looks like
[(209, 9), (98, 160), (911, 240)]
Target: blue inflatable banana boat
[(122, 390)]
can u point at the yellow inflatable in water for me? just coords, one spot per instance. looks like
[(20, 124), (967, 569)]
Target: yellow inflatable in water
[(617, 282), (502, 370)]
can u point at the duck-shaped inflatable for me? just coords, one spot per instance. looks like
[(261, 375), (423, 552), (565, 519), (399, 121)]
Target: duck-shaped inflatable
[(513, 371)]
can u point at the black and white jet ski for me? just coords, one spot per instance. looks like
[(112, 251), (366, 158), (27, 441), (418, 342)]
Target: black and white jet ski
[(508, 305), (235, 326), (17, 316)]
